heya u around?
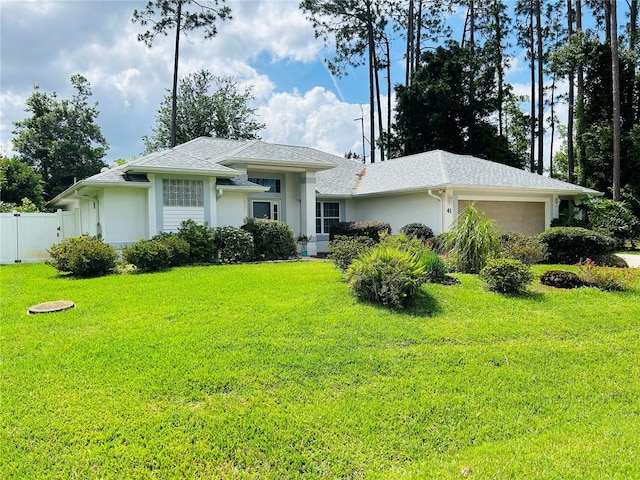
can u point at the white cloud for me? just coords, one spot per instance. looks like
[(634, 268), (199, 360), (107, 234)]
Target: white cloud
[(278, 28), (316, 119)]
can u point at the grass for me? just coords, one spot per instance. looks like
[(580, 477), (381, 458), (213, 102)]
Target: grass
[(274, 371)]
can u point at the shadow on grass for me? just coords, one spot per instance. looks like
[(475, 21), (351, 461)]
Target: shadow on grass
[(424, 305), (528, 295)]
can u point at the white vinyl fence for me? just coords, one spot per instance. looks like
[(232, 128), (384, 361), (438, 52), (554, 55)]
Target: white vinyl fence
[(26, 237)]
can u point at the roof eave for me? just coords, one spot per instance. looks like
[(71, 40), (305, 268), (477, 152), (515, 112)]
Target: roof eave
[(241, 188), (185, 171), (554, 191), (265, 162)]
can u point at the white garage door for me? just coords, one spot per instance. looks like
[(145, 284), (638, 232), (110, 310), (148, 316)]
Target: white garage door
[(521, 217)]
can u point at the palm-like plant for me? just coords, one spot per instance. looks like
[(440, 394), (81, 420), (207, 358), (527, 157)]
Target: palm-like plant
[(473, 240)]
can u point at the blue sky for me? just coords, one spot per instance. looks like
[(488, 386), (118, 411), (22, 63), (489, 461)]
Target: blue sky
[(268, 44)]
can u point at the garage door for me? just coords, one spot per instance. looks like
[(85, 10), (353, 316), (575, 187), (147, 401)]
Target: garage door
[(522, 217)]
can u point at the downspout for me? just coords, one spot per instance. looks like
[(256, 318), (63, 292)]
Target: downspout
[(441, 214)]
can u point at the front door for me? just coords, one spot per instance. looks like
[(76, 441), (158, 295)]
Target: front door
[(265, 209)]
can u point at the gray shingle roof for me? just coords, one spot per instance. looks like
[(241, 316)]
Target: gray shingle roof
[(177, 159), (436, 169), (225, 151)]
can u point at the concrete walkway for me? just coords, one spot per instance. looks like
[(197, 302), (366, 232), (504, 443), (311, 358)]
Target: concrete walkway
[(632, 260)]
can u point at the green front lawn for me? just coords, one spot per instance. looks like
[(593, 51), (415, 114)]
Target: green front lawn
[(274, 371)]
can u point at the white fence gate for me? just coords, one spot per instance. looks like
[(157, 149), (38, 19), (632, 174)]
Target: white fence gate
[(26, 237)]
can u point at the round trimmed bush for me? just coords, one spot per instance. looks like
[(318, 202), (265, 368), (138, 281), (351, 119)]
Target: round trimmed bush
[(344, 250), (83, 256), (386, 275), (507, 275), (233, 245), (561, 279), (570, 245), (148, 255), (417, 230), (272, 239), (201, 247), (372, 229), (527, 249), (178, 248)]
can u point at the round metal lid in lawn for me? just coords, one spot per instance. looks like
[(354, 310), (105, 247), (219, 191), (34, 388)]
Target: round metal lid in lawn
[(50, 307)]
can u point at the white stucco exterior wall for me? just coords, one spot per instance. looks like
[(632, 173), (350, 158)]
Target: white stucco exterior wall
[(398, 210), (231, 209)]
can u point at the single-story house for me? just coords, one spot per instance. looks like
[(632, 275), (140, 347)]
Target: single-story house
[(222, 182)]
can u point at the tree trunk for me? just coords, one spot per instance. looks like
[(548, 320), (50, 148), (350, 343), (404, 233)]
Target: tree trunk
[(418, 49), (410, 50), (174, 98), (499, 68), (387, 142), (372, 111), (615, 71), (552, 123), (580, 104), (532, 56), (539, 39), (570, 154), (379, 106), (633, 94)]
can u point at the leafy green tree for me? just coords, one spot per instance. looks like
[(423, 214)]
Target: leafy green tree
[(437, 110), (166, 15), (61, 139), (207, 106), (18, 181), (598, 105)]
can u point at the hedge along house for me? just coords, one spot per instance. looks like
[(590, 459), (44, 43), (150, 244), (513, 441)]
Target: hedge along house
[(221, 182)]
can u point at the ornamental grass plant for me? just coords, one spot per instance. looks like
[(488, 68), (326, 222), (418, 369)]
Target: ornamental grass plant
[(472, 241)]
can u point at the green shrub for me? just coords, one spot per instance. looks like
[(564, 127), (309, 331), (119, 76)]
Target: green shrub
[(561, 279), (613, 219), (83, 256), (386, 275), (439, 243), (233, 245), (570, 245), (417, 230), (507, 275), (570, 217), (344, 250), (272, 239), (404, 243), (606, 278), (372, 229), (178, 248), (435, 268), (148, 255), (473, 240), (199, 238), (612, 260), (527, 249)]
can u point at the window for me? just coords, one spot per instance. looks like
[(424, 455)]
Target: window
[(182, 193), (272, 183), (265, 209), (327, 214)]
